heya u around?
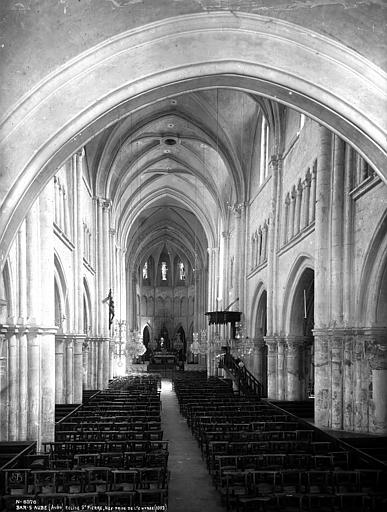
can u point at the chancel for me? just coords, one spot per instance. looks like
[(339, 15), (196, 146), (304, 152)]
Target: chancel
[(193, 249)]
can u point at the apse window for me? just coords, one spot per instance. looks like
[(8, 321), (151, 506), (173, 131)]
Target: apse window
[(164, 270), (145, 271), (181, 271)]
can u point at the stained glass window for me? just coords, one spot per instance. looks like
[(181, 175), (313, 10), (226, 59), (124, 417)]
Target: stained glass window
[(164, 270), (181, 271)]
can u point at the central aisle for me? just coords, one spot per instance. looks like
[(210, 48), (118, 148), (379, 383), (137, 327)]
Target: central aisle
[(190, 488)]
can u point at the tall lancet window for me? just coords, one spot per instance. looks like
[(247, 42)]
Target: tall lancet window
[(181, 271), (164, 270), (264, 162), (145, 271)]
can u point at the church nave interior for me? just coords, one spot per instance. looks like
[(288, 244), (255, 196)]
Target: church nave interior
[(209, 209)]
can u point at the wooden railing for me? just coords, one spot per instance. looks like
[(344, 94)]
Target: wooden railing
[(245, 380)]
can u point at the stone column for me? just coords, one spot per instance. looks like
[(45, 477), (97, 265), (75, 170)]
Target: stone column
[(337, 232), (293, 196), (106, 273), (322, 275), (240, 256), (59, 366), (265, 240), (211, 279), (78, 242), (312, 204), (112, 347), (92, 364), (23, 385), (271, 367), (69, 371), (378, 363), (297, 221), (34, 384), (100, 295), (13, 385), (286, 220), (281, 382), (78, 369), (361, 378), (67, 227), (60, 206), (348, 380), (47, 341), (22, 277), (33, 264), (85, 364), (275, 242), (3, 385), (306, 200), (257, 360), (348, 236), (226, 255), (322, 382), (100, 373), (56, 189), (294, 368), (337, 383)]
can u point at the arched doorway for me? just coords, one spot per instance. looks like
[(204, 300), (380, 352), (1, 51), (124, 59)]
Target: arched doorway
[(180, 344), (300, 341)]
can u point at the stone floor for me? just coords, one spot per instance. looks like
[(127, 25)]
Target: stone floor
[(190, 487)]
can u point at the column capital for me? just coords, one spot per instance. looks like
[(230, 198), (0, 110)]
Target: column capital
[(237, 208), (271, 343), (81, 152), (106, 204), (102, 202), (378, 356), (287, 199), (295, 342), (275, 161), (226, 235)]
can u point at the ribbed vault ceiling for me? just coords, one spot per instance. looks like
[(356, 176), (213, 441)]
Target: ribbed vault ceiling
[(172, 168)]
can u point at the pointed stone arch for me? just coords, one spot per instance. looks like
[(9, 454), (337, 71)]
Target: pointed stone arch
[(372, 296), (62, 306), (167, 58)]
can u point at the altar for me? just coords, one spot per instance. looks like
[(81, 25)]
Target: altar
[(160, 361), (164, 358)]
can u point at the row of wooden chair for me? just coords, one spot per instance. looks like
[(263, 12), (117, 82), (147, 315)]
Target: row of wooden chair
[(260, 457), (101, 455)]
